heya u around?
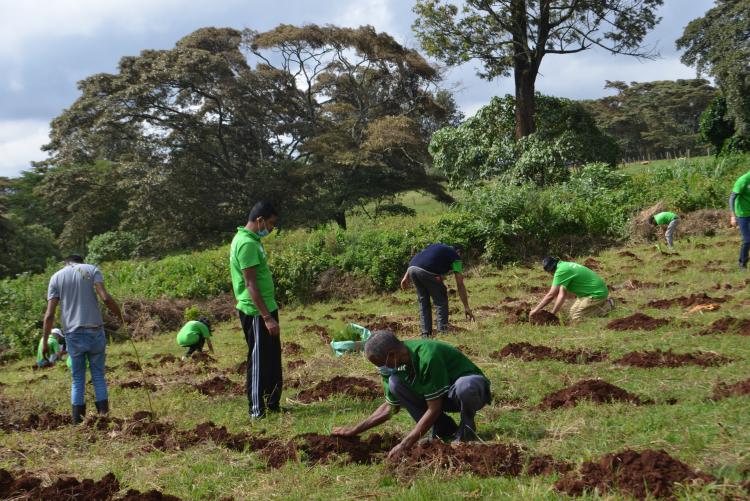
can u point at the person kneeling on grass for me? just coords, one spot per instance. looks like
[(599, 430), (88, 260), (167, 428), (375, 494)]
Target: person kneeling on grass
[(194, 335), (429, 378), (55, 349), (573, 280), (666, 218)]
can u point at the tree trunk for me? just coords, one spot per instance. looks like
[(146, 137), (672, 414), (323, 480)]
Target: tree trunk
[(340, 219), (525, 77)]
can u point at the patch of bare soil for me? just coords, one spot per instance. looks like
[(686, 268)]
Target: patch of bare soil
[(592, 264), (718, 286), (203, 358), (42, 421), (659, 358), (396, 301), (637, 321), (338, 284), (637, 284), (677, 265), (301, 318), (644, 474), (241, 368), (630, 255), (726, 390), (384, 324), (484, 460), (326, 448), (517, 313), (132, 365), (321, 331), (357, 387), (543, 317), (294, 364), (686, 302), (546, 465), (595, 390), (129, 385), (291, 349), (536, 289), (529, 352), (728, 325), (165, 358), (467, 350), (219, 385)]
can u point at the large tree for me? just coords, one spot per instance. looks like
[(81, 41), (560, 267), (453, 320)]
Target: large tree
[(514, 36), (719, 44), (361, 121)]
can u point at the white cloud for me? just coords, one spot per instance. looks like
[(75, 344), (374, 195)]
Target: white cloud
[(20, 143), (374, 12)]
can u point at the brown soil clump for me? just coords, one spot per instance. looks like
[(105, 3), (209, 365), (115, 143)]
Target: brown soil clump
[(152, 495), (219, 385), (241, 368), (328, 317), (40, 422), (592, 264), (658, 358), (677, 264), (642, 475), (321, 331), (383, 324), (357, 387), (530, 352), (546, 465), (165, 358), (630, 255), (729, 325), (536, 289), (637, 284), (484, 460), (544, 318), (132, 366), (128, 385), (202, 357), (291, 349), (324, 448), (726, 390), (338, 284), (467, 350), (516, 314), (692, 300), (637, 321), (301, 317), (294, 364), (595, 390)]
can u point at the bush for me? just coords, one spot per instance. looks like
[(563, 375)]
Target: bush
[(195, 312), (112, 246)]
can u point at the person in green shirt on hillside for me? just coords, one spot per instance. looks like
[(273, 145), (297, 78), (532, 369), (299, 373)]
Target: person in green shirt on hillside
[(253, 287), (666, 218), (575, 281), (55, 349), (428, 378), (739, 207), (194, 335)]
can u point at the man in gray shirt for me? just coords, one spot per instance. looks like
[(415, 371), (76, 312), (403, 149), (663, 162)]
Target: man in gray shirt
[(75, 288)]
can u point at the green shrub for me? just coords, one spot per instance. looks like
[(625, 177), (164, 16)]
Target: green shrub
[(112, 246), (195, 312)]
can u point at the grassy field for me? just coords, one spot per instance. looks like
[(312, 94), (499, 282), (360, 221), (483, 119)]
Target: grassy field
[(713, 436)]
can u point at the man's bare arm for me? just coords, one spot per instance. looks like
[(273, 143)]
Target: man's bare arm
[(380, 416), (463, 295), (551, 294), (112, 305), (251, 283), (562, 295)]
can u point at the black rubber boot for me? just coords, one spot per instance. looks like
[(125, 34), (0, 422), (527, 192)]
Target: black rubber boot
[(102, 406), (79, 412)]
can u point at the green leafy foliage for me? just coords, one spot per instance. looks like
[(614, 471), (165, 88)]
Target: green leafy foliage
[(195, 312), (715, 127), (112, 246)]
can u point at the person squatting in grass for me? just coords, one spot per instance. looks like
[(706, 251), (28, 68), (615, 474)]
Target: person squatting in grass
[(671, 220), (254, 290), (739, 208), (55, 349), (428, 378), (573, 280), (194, 335), (75, 288), (427, 271)]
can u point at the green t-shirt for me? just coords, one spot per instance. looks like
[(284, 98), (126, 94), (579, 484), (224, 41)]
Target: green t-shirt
[(580, 280), (192, 332), (53, 347), (742, 201), (665, 217), (434, 367), (247, 252)]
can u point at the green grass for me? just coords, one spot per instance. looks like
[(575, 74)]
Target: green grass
[(713, 436)]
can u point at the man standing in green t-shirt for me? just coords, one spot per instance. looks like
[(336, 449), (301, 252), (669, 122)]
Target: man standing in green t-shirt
[(55, 349), (575, 281), (666, 218), (428, 378), (254, 290), (194, 335), (739, 207)]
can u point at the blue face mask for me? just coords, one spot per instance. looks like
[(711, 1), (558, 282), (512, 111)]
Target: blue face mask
[(387, 371), (264, 232)]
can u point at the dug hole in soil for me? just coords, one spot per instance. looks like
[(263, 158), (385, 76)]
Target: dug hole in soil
[(637, 321), (644, 474), (529, 352), (219, 385), (686, 302), (724, 390), (659, 358), (356, 387), (25, 486), (728, 325), (594, 390)]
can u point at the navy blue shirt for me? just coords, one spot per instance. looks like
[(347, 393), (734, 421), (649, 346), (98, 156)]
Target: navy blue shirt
[(436, 258)]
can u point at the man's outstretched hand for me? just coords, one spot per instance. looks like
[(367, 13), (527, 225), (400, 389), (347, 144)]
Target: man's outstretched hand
[(343, 431)]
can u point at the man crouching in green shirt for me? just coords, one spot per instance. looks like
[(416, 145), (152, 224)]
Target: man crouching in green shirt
[(194, 335), (429, 378), (573, 280), (670, 219), (55, 349), (254, 290)]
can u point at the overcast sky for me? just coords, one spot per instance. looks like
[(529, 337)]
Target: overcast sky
[(46, 46)]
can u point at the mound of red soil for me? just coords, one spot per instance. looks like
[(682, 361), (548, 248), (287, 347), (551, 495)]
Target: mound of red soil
[(140, 424), (328, 317), (728, 325), (677, 264), (301, 317), (692, 300), (324, 448), (291, 349), (132, 366), (40, 422), (395, 301), (357, 387), (637, 321), (484, 460), (383, 324), (630, 255), (536, 289), (203, 358), (165, 358), (219, 385), (544, 318), (530, 352), (658, 358), (726, 390), (592, 264), (466, 350), (241, 368), (152, 495), (137, 384), (546, 465), (294, 364), (321, 331), (517, 314), (595, 390), (642, 474)]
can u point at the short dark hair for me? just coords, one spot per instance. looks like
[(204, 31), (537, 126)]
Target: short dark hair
[(652, 220), (549, 264), (458, 248), (381, 343), (262, 209), (74, 258), (206, 321)]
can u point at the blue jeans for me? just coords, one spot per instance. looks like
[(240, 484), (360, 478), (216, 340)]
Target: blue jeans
[(91, 344), (744, 224)]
